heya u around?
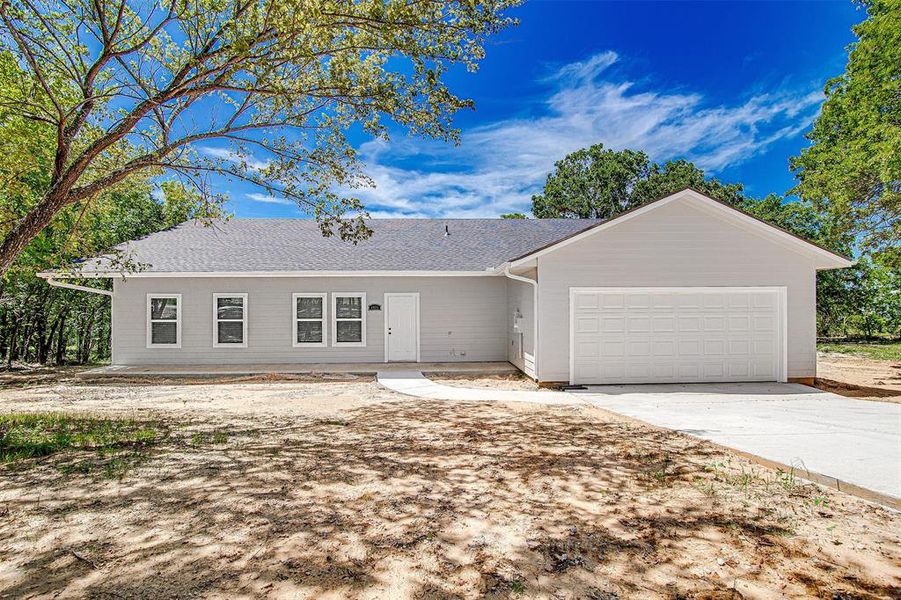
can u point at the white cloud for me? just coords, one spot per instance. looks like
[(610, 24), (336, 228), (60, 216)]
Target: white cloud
[(232, 156), (499, 166), (266, 198)]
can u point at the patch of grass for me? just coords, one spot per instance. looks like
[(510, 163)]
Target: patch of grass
[(216, 438), (33, 435), (873, 350), (116, 444)]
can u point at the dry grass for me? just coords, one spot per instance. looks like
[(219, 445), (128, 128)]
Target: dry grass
[(319, 490)]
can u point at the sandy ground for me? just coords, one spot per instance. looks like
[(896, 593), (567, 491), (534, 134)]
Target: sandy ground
[(333, 489), (859, 377)]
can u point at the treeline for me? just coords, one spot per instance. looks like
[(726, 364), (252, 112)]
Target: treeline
[(50, 325), (56, 326)]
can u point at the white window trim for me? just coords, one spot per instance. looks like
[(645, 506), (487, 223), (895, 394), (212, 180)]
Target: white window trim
[(178, 310), (324, 320), (362, 319), (217, 320)]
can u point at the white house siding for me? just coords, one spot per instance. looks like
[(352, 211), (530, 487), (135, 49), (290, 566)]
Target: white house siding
[(678, 244), (462, 319), (520, 297)]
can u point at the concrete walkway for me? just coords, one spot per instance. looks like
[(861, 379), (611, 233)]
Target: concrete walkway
[(853, 441), (414, 383)]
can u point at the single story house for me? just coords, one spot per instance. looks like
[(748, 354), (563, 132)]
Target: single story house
[(684, 289)]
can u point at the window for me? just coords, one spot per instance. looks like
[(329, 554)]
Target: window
[(309, 319), (349, 319), (164, 320), (229, 320)]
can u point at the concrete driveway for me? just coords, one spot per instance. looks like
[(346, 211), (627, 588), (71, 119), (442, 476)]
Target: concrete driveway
[(854, 441)]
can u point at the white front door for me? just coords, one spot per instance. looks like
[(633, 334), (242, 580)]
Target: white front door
[(676, 335), (401, 327)]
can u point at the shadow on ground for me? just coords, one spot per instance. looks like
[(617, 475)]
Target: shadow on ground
[(431, 500)]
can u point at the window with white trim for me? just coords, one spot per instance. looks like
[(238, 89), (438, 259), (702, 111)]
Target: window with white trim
[(229, 320), (164, 320), (309, 319), (348, 319)]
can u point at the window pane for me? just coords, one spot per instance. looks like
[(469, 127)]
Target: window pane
[(163, 308), (309, 308), (163, 332), (309, 332), (348, 308), (231, 332), (230, 308), (349, 331)]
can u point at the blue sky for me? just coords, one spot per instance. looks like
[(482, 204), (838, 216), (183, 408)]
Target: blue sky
[(731, 86)]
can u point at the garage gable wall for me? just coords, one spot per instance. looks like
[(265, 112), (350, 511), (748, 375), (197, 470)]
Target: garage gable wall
[(676, 245)]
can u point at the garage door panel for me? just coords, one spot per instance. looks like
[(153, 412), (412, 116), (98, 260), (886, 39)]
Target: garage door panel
[(689, 347), (739, 323), (638, 301), (614, 325), (714, 301), (676, 335), (689, 324), (739, 300), (664, 348), (586, 325), (714, 347), (763, 300), (663, 324), (587, 301), (714, 324), (588, 349), (638, 324), (639, 348), (663, 301)]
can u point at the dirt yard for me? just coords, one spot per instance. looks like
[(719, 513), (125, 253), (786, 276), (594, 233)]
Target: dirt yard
[(859, 376), (334, 489)]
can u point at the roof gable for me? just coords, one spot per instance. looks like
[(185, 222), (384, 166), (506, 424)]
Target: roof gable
[(826, 259)]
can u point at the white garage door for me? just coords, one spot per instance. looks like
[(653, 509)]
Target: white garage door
[(676, 335)]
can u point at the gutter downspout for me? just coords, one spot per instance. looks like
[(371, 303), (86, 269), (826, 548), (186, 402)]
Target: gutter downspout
[(534, 285), (71, 286)]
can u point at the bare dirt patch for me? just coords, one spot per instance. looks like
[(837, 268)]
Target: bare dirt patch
[(506, 381), (859, 377), (344, 489)]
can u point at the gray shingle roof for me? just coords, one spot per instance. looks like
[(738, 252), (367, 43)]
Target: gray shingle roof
[(242, 245)]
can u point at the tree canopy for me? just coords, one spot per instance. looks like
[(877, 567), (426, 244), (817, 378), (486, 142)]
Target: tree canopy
[(852, 169), (122, 87), (599, 183)]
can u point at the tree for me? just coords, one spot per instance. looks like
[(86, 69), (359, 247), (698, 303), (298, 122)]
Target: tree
[(513, 216), (591, 183), (677, 175), (594, 183), (125, 86), (852, 169)]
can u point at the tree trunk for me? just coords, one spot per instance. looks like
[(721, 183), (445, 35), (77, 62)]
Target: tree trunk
[(4, 339), (40, 344), (84, 346), (47, 340), (61, 340), (11, 356), (25, 230)]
